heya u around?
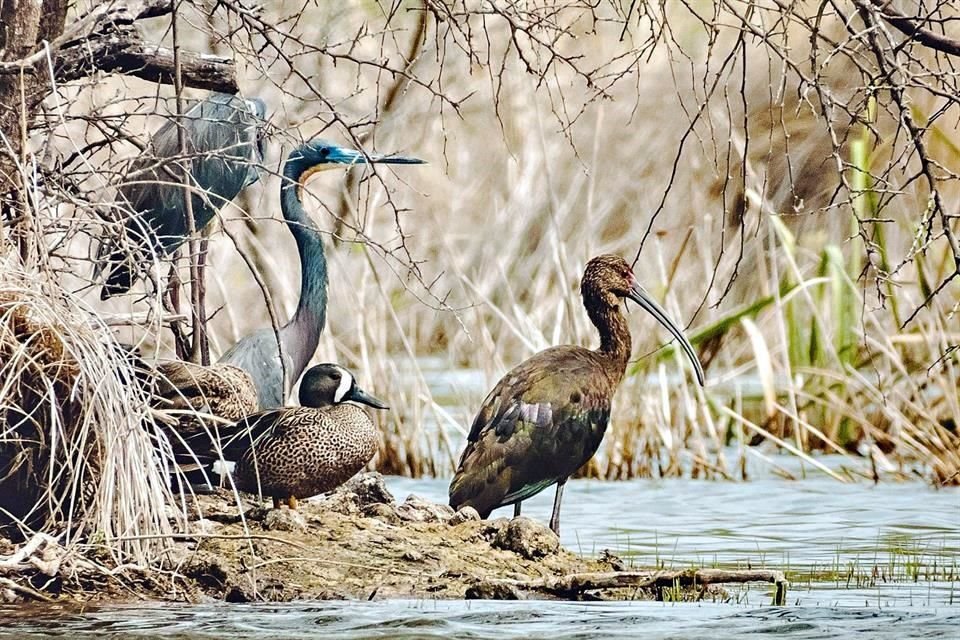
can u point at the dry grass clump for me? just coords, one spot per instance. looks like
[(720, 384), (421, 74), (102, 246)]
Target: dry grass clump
[(75, 455)]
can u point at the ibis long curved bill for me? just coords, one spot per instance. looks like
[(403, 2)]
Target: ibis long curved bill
[(639, 295)]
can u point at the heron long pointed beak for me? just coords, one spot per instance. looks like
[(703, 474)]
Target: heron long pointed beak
[(343, 155), (357, 394), (639, 295)]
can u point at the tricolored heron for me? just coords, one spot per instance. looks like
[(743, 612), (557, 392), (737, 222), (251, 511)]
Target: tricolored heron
[(258, 352), (225, 147), (546, 417), (298, 452)]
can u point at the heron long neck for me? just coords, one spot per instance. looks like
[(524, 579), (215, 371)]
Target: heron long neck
[(311, 315), (615, 342)]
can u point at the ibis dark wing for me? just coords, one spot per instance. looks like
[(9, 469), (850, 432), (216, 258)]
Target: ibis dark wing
[(540, 423)]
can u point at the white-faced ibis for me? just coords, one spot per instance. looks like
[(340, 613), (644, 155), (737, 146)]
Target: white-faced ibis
[(547, 416), (224, 140), (258, 353), (298, 452)]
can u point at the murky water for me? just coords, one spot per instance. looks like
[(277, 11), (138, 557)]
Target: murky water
[(889, 545), (506, 620), (865, 561)]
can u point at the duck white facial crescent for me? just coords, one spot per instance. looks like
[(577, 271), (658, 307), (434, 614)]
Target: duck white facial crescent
[(346, 382)]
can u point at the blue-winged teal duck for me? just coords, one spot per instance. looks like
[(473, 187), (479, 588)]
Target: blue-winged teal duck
[(298, 452)]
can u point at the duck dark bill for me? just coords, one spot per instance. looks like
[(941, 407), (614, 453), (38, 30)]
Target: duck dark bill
[(639, 295), (359, 395)]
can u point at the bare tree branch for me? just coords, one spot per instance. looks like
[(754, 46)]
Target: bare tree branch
[(909, 28)]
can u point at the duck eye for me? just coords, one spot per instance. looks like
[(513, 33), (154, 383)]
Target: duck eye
[(324, 151)]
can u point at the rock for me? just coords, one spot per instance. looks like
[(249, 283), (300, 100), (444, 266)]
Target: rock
[(369, 489), (527, 538), (207, 569), (285, 520), (490, 529), (492, 590), (256, 513), (206, 526), (345, 503), (416, 509), (238, 593), (383, 512), (614, 561), (356, 494), (412, 556), (465, 514)]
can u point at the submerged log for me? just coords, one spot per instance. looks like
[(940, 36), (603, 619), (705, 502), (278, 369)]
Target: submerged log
[(575, 584)]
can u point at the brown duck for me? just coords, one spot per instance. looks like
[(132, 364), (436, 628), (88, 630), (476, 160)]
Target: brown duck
[(298, 452), (223, 390), (197, 392), (547, 416)]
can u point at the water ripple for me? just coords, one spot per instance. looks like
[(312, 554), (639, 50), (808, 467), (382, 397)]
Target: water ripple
[(481, 620)]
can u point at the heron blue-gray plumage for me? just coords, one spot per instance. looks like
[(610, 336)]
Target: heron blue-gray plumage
[(298, 452), (547, 416), (225, 149), (258, 353)]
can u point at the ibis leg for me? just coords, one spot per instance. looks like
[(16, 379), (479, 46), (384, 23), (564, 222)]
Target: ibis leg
[(516, 508), (555, 518), (276, 502)]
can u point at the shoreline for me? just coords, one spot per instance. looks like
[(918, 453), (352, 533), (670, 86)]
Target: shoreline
[(357, 543)]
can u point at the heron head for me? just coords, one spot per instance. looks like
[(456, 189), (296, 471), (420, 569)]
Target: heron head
[(320, 155), (329, 384), (608, 279)]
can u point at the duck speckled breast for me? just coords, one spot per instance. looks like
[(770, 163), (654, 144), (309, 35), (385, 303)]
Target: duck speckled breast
[(307, 452)]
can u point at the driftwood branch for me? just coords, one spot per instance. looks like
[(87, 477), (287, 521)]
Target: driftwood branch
[(23, 590), (575, 584), (107, 39)]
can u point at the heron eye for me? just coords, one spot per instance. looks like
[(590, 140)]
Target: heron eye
[(325, 151)]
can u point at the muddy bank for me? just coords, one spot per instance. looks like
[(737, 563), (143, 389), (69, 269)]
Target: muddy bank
[(361, 543), (357, 543)]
